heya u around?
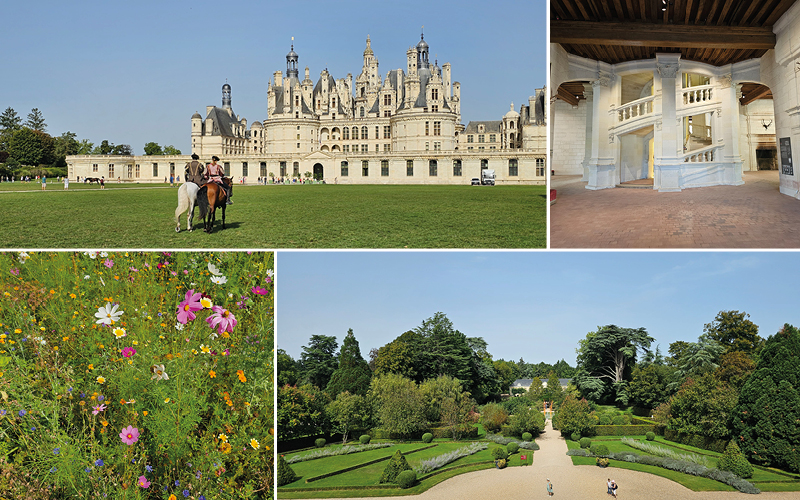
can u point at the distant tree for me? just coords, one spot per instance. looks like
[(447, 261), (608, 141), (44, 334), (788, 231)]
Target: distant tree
[(35, 120), (318, 360), (348, 412), (765, 420), (399, 405), (553, 390), (66, 144), (301, 411), (507, 372), (703, 407), (493, 416), (152, 149), (563, 369), (31, 147), (734, 368), (443, 349), (735, 332), (353, 373), (677, 350), (287, 369), (699, 357), (398, 356), (536, 391), (574, 415), (606, 359), (10, 120), (122, 149), (436, 390), (171, 150), (456, 415), (84, 147), (648, 388), (105, 148), (526, 419)]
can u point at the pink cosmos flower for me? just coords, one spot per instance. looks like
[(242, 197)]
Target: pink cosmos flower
[(143, 482), (15, 271), (129, 435), (108, 263), (128, 352), (98, 409), (221, 319), (187, 308), (258, 290)]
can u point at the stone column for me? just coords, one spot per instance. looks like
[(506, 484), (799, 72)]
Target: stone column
[(667, 167), (600, 171), (588, 94), (730, 93)]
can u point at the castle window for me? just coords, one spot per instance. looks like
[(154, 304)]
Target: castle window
[(387, 100), (138, 171), (434, 108), (437, 146), (492, 138), (435, 94), (364, 132), (377, 148), (540, 167), (283, 169), (245, 171), (387, 114), (481, 138), (155, 169), (387, 132), (384, 168), (355, 133), (437, 128), (513, 167), (427, 146), (263, 169), (409, 168), (377, 129), (427, 128), (387, 148), (362, 112), (365, 168), (110, 170), (484, 164), (364, 148), (470, 138), (456, 168), (346, 148), (345, 168), (433, 168), (346, 134), (295, 169), (227, 168)]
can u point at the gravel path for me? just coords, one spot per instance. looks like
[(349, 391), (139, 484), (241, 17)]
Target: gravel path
[(584, 482)]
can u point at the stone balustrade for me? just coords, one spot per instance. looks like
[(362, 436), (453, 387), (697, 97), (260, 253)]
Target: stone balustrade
[(697, 95), (635, 109)]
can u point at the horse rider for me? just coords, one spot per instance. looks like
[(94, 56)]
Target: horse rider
[(195, 170), (214, 173)]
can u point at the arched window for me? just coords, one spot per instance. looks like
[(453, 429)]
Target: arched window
[(346, 134), (364, 132), (355, 133)]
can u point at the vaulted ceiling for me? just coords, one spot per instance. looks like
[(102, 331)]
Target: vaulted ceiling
[(716, 32)]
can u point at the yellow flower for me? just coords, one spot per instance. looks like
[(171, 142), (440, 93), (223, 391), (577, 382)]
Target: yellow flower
[(144, 413), (72, 295), (205, 349), (206, 302), (119, 332), (173, 497), (105, 423), (225, 448), (55, 348), (101, 380), (17, 330), (223, 437), (91, 366), (64, 339), (254, 444), (135, 342), (166, 400), (212, 374)]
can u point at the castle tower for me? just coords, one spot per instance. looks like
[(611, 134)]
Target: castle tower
[(226, 96), (422, 53), (291, 62)]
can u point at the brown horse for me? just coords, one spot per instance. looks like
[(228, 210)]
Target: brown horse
[(209, 197)]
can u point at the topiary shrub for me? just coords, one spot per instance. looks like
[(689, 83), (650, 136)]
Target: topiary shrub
[(527, 436), (285, 473), (585, 442), (697, 441), (600, 450), (650, 436), (512, 448), (618, 420), (407, 479), (427, 437), (365, 439), (499, 453), (733, 460), (319, 442), (604, 420), (575, 436), (396, 465)]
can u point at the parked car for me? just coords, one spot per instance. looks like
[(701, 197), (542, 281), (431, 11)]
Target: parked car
[(476, 181)]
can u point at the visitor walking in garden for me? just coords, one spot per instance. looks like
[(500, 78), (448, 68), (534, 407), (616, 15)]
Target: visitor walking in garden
[(44, 182), (66, 182), (549, 488), (614, 488)]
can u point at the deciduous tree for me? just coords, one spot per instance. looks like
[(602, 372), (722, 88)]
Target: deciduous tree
[(399, 405), (287, 369), (703, 407), (348, 412), (153, 149), (734, 332), (574, 415), (31, 147), (301, 411), (171, 150)]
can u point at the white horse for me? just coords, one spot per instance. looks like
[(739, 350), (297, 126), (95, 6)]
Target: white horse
[(187, 196)]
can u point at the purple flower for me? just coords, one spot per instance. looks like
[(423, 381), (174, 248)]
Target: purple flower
[(99, 462), (22, 413), (56, 451), (177, 483), (101, 397), (15, 271), (108, 263), (185, 493), (201, 497), (148, 468)]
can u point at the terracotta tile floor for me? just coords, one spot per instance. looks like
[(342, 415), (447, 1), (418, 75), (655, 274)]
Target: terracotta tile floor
[(754, 215)]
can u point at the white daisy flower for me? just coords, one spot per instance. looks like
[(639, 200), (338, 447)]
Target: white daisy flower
[(159, 373), (213, 269), (104, 254), (86, 277), (270, 273), (219, 280), (92, 255), (108, 314), (179, 326)]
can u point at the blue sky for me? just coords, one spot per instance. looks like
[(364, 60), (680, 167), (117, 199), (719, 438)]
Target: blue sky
[(135, 72), (534, 305)]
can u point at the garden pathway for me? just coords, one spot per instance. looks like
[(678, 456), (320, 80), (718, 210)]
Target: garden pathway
[(583, 482)]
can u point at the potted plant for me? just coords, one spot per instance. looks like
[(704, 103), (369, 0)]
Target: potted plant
[(601, 462)]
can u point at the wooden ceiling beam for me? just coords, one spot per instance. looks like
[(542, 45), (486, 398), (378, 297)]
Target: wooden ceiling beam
[(755, 94), (780, 10), (661, 35), (567, 97)]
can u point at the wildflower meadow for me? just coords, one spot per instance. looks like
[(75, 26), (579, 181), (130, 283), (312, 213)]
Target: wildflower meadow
[(132, 375)]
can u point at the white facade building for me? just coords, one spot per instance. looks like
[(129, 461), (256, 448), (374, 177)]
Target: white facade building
[(402, 128)]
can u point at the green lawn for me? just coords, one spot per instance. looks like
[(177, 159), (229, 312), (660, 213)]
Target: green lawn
[(310, 216)]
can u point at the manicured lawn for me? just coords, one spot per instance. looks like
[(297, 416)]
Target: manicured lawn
[(310, 216)]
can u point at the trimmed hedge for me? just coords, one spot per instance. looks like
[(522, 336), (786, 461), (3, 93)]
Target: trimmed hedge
[(599, 450), (319, 442), (396, 465), (286, 474), (427, 437), (438, 432), (575, 436), (624, 430), (406, 479), (705, 443), (499, 453), (585, 442), (527, 436), (364, 439), (512, 448), (363, 464), (733, 460)]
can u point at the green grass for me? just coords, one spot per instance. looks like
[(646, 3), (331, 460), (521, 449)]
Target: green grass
[(310, 216)]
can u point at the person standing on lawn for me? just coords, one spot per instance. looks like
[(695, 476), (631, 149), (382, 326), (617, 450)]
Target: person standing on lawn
[(549, 488)]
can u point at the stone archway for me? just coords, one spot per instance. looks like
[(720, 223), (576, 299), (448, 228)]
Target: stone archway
[(318, 173)]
